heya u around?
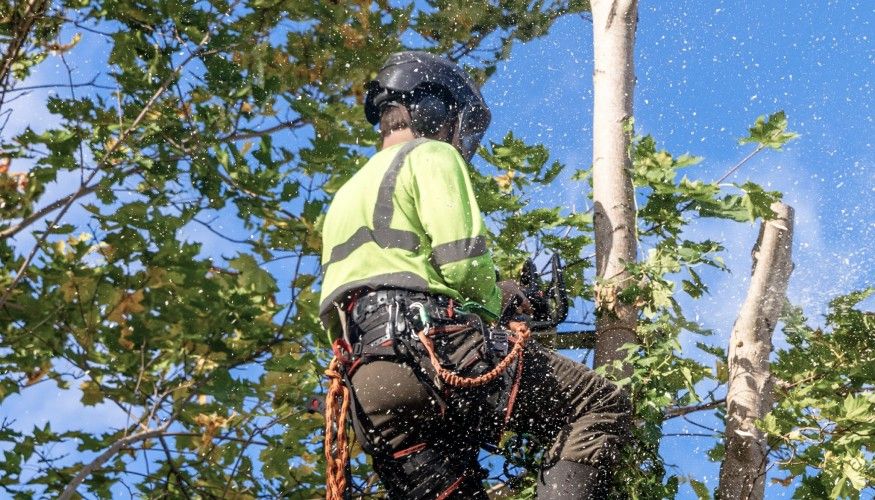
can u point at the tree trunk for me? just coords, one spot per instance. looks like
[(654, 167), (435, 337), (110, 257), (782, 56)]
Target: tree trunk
[(749, 397), (614, 23)]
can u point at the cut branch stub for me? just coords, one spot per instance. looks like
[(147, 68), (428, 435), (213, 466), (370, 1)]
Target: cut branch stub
[(749, 396)]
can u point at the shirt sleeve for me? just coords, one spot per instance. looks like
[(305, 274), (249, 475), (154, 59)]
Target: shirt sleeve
[(449, 214)]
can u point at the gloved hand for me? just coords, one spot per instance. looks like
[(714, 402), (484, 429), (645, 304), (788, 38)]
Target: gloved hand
[(512, 294)]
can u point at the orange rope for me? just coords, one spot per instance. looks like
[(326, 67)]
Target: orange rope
[(454, 379), (336, 449)]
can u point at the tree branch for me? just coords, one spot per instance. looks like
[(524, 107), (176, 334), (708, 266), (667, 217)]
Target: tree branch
[(91, 84), (251, 134), (750, 393), (21, 30), (680, 411), (95, 464), (51, 207)]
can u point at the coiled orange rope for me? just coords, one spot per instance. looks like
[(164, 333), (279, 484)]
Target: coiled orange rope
[(336, 448), (454, 379)]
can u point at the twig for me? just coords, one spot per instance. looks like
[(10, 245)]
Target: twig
[(251, 134), (20, 32), (688, 434), (701, 426), (180, 479), (68, 85), (224, 437), (246, 443), (686, 410), (51, 207), (739, 164)]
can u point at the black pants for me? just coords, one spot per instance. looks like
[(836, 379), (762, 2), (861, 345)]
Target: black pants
[(429, 435)]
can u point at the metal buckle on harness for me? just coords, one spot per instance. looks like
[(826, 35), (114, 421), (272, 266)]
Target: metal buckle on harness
[(497, 341), (419, 321)]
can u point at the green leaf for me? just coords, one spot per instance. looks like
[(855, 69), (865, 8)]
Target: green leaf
[(702, 491), (770, 132), (757, 201), (252, 275), (856, 407), (855, 476), (91, 393)]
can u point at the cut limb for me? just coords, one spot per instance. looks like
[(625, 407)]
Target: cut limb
[(614, 23), (749, 396)]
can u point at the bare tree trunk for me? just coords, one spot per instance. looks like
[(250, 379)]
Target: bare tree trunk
[(742, 474), (614, 23)]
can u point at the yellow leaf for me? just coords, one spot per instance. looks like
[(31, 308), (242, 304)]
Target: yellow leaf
[(68, 290), (787, 481), (91, 394), (107, 250), (64, 47), (124, 338), (211, 424), (36, 375), (130, 303), (352, 38), (82, 238), (504, 181), (22, 179), (722, 371), (204, 364), (183, 110), (157, 277)]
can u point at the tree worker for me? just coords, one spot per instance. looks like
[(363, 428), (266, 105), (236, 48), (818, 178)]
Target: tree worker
[(410, 296)]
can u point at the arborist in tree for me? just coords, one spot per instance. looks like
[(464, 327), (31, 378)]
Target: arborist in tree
[(432, 356)]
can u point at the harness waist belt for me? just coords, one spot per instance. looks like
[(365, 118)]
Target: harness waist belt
[(437, 306)]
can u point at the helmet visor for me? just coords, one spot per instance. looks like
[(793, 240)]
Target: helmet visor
[(469, 131)]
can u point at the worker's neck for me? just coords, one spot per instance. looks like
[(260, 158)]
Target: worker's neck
[(397, 137)]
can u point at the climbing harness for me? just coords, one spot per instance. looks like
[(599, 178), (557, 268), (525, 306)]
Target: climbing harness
[(399, 330)]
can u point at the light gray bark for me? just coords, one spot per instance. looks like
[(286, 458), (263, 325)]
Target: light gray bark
[(749, 397), (614, 23), (101, 459)]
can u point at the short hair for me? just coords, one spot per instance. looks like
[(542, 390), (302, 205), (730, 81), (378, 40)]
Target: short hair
[(394, 117)]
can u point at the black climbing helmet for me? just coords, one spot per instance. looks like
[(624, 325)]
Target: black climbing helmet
[(435, 91)]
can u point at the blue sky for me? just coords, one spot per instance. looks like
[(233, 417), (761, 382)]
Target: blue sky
[(705, 71)]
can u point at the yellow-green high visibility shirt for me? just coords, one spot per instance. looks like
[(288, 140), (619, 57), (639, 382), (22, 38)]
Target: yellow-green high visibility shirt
[(407, 219)]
